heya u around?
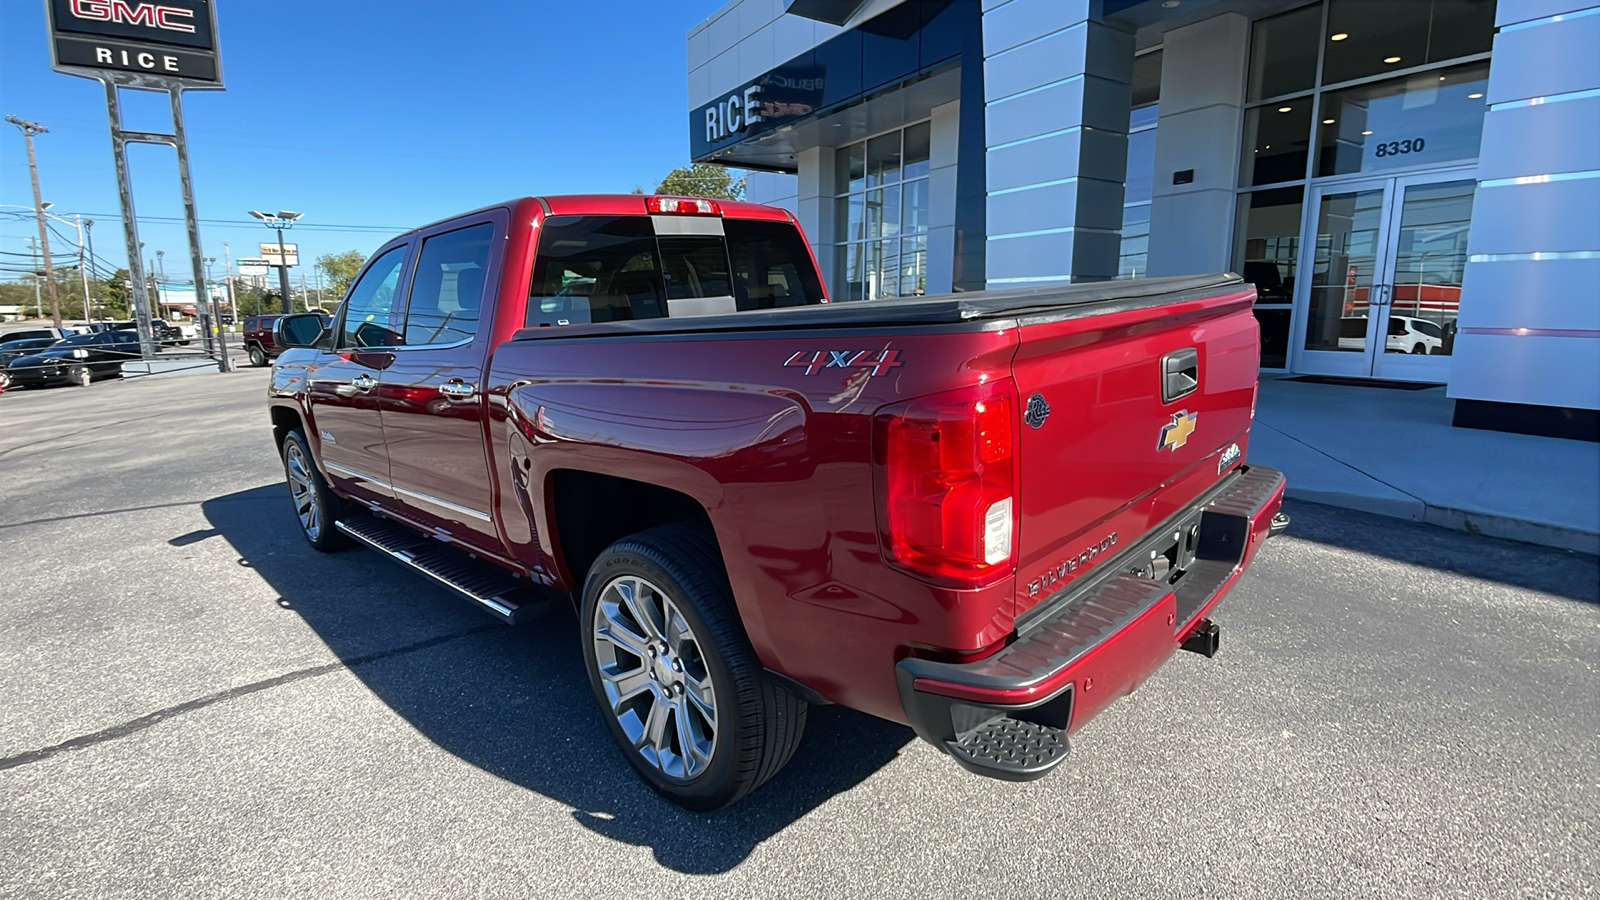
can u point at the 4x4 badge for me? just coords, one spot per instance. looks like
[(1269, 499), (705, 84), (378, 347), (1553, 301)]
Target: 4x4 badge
[(1037, 411), (1176, 433)]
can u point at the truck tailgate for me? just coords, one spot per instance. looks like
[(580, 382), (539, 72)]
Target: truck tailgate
[(1104, 456)]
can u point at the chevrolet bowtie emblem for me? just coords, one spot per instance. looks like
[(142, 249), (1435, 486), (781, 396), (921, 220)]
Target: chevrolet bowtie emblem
[(1176, 433)]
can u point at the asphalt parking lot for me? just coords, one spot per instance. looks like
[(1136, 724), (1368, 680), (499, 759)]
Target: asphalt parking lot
[(193, 703)]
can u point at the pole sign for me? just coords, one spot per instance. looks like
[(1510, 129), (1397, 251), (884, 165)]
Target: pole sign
[(137, 43), (253, 266), (270, 253)]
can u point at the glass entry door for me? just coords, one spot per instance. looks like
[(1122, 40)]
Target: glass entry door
[(1382, 277)]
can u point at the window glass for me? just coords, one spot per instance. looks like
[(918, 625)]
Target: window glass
[(614, 268), (1283, 53), (1265, 252), (771, 265), (1146, 79), (371, 318), (852, 168), (1370, 37), (1427, 118), (919, 146), (1277, 138), (692, 266), (595, 269), (883, 159), (882, 215), (447, 288)]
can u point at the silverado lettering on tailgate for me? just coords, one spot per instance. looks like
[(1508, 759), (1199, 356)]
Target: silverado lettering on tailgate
[(1050, 577)]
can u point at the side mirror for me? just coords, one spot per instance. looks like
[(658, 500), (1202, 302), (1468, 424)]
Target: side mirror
[(298, 330)]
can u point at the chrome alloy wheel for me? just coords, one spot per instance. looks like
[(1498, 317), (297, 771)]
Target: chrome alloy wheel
[(303, 490), (655, 677)]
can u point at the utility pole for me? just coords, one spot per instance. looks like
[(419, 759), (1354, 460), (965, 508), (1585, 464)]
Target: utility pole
[(88, 233), (33, 251), (227, 277), (29, 129), (83, 273)]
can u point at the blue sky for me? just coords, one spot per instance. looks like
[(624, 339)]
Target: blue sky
[(374, 117)]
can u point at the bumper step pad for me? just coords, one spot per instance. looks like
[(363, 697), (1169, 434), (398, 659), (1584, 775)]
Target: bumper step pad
[(1010, 749), (504, 596)]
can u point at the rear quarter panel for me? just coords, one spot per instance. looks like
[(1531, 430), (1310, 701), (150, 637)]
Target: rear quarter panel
[(778, 455)]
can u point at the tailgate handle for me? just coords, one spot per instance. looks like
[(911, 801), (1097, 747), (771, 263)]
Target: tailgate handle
[(1180, 374)]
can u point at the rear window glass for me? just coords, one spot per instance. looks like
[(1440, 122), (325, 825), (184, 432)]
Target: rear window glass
[(615, 268)]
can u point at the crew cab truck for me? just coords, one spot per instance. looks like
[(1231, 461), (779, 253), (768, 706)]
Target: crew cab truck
[(985, 515)]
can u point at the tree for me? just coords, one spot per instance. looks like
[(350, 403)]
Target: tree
[(340, 269), (702, 180)]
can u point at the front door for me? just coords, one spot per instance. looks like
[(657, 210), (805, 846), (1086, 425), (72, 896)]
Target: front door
[(432, 394), (341, 383), (1381, 283)]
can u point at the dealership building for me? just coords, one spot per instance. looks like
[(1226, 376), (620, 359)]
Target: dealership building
[(1412, 185)]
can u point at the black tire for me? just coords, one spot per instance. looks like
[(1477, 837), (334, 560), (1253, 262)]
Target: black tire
[(759, 722), (258, 357), (80, 376), (1420, 349), (325, 536)]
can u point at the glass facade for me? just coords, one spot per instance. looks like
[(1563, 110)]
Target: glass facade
[(1339, 89), (1139, 182), (881, 213)]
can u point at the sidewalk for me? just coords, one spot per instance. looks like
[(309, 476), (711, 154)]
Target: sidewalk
[(1394, 452)]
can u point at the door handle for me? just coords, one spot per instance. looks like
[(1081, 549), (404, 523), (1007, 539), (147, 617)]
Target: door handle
[(363, 382), (458, 391), (1382, 291)]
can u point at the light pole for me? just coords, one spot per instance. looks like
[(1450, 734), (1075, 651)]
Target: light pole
[(280, 221), (29, 129), (227, 276)]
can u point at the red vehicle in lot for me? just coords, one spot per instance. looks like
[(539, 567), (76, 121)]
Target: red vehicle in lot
[(260, 343), (985, 515)]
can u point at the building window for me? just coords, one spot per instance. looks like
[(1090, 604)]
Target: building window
[(881, 215), (1138, 189), (1434, 117), (1374, 37)]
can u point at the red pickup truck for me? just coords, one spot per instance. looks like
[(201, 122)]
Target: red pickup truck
[(986, 515)]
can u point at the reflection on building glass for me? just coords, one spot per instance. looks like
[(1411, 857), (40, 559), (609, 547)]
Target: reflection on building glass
[(1378, 36), (1430, 257), (1265, 254), (1428, 118), (1137, 191), (881, 215), (1343, 269)]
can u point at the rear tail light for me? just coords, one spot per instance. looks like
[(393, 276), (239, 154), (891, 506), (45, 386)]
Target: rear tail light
[(687, 206), (947, 483)]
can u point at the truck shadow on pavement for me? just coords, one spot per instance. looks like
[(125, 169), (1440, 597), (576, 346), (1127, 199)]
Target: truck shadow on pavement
[(515, 702)]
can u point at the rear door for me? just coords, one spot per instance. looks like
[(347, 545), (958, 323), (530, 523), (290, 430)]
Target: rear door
[(431, 394), (341, 384), (1127, 417)]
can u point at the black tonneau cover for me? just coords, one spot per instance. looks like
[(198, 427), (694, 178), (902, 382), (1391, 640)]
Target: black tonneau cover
[(997, 307)]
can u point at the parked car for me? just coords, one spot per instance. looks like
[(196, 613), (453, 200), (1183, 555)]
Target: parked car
[(78, 360), (259, 340), (1407, 334), (17, 334), (12, 349), (985, 515)]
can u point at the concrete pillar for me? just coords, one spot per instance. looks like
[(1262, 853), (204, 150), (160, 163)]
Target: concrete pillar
[(1528, 345), (1056, 90), (1202, 116), (814, 198)]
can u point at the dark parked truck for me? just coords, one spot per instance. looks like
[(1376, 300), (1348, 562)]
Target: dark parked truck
[(985, 515)]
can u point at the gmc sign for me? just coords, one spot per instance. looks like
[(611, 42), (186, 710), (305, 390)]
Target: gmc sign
[(139, 43)]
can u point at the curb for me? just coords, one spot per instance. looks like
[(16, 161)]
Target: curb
[(1470, 522)]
